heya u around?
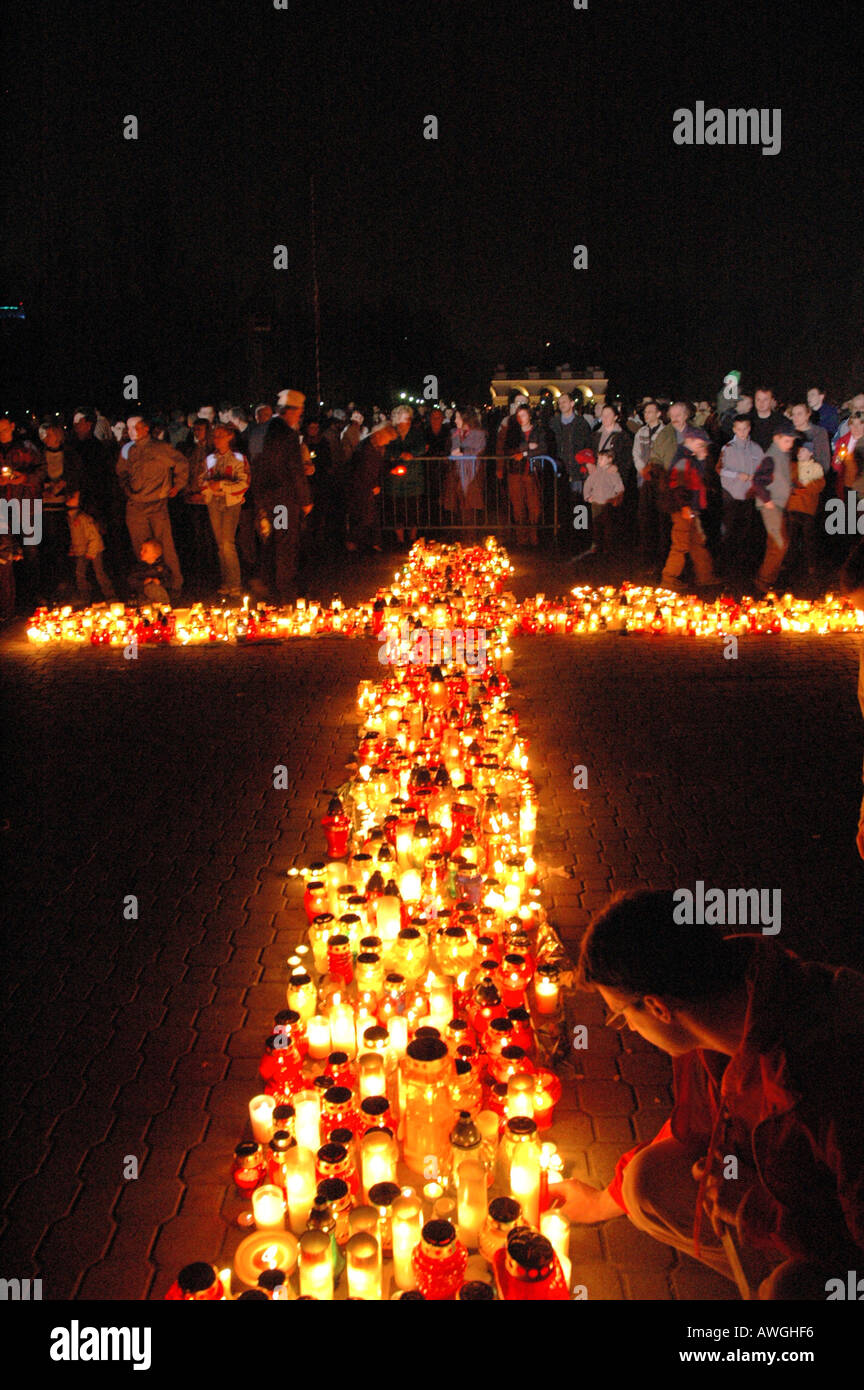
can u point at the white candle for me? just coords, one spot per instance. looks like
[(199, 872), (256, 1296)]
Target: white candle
[(316, 1266), (471, 1202), (397, 1027), (300, 1186), (268, 1208), (378, 1156), (261, 1114), (411, 886), (307, 1120), (318, 1037), (343, 1034), (406, 1224), (363, 1261), (525, 1182), (556, 1228), (336, 875), (388, 918), (546, 995), (373, 1076), (403, 849)]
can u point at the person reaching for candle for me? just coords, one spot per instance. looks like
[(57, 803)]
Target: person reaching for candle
[(765, 1143)]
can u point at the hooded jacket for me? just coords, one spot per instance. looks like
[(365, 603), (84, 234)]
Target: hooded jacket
[(790, 1102)]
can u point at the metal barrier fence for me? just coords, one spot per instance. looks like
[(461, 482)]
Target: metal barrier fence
[(465, 495)]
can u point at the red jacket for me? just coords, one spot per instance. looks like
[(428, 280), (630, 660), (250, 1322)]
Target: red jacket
[(790, 1103)]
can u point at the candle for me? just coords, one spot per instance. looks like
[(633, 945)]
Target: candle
[(471, 1202), (268, 1208), (388, 917), (411, 886), (318, 1037), (404, 841), (261, 1114), (406, 1224), (373, 1076), (556, 1228), (307, 1120), (378, 1156), (364, 1267), (225, 1281), (300, 1186), (398, 1030), (316, 1266), (525, 1181), (343, 1034), (546, 989), (520, 1096)]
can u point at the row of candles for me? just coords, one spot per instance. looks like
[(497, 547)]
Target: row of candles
[(446, 589), (399, 1132)]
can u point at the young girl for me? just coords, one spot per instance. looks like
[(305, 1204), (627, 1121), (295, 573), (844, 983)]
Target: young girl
[(87, 547)]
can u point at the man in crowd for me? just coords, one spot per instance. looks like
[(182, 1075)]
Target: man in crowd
[(771, 486), (739, 461), (282, 494), (764, 418), (152, 472), (652, 537), (766, 1139), (824, 413), (802, 418)]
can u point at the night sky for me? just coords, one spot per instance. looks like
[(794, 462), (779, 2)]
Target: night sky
[(155, 256)]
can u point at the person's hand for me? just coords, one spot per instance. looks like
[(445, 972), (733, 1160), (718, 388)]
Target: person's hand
[(687, 513), (744, 477), (582, 1204), (769, 505)]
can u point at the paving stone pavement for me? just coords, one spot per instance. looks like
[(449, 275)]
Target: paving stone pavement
[(140, 1037)]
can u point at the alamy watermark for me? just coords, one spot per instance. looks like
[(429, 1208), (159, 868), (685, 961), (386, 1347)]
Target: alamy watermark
[(739, 126), (21, 516), (728, 907), (431, 647)]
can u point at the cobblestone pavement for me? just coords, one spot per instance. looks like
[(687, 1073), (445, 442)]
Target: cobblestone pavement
[(155, 778)]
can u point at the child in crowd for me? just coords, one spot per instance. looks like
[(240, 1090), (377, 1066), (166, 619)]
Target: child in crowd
[(150, 580), (605, 491), (86, 548), (808, 480)]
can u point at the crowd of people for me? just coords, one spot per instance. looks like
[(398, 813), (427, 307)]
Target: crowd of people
[(231, 501)]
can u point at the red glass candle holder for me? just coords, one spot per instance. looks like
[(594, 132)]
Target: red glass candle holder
[(439, 1261)]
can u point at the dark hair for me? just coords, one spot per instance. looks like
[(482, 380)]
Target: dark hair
[(635, 946)]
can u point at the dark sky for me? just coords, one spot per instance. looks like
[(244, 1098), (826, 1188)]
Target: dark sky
[(155, 256)]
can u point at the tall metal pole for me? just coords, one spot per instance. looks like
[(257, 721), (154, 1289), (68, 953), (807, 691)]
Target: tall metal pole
[(315, 299)]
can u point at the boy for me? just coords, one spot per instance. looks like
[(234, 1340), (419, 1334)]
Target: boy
[(87, 547), (604, 490), (150, 580)]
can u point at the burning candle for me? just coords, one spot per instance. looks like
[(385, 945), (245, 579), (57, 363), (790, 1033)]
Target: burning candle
[(471, 1202), (546, 989), (316, 1266), (261, 1114), (318, 1037), (406, 1223), (307, 1120), (556, 1228), (268, 1207), (373, 1075), (300, 1186), (343, 1033), (520, 1096), (388, 917), (525, 1181), (398, 1031), (364, 1267), (378, 1156)]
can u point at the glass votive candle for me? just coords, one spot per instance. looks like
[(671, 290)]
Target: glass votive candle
[(316, 1266), (307, 1119), (318, 1036), (261, 1116), (379, 1156), (382, 1196), (268, 1207), (363, 1262)]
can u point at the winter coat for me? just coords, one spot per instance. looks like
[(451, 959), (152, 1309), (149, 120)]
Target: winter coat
[(279, 477), (150, 470), (804, 496), (409, 480)]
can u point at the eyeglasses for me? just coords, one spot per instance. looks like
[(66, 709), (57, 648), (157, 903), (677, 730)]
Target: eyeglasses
[(618, 1019)]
